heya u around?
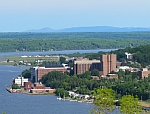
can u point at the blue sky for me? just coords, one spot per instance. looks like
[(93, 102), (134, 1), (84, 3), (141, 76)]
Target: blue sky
[(22, 15)]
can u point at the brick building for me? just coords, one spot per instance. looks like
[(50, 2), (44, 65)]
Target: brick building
[(144, 73), (38, 72), (108, 63), (83, 65), (28, 86), (105, 65), (39, 88)]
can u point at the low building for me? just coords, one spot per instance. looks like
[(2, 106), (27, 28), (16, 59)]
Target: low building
[(111, 76), (39, 88), (129, 55), (95, 77), (123, 68), (28, 86), (20, 81), (42, 91), (144, 73)]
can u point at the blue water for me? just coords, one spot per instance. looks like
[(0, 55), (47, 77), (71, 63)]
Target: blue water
[(15, 103), (53, 52)]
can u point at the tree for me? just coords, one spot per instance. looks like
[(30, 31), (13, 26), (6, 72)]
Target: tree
[(26, 73), (95, 72), (15, 86), (62, 60), (130, 105), (8, 60), (62, 92), (103, 100)]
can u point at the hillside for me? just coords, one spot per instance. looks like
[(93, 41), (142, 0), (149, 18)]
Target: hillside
[(92, 29), (71, 41), (141, 54)]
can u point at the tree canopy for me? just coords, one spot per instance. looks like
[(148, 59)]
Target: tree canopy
[(103, 100), (71, 41), (130, 105), (26, 73)]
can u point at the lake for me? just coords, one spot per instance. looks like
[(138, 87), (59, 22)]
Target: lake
[(2, 54), (15, 103)]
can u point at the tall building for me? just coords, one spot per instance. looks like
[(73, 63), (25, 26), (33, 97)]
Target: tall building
[(108, 63), (83, 65)]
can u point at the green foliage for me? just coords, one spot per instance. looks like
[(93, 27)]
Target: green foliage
[(141, 54), (50, 63), (15, 86), (95, 72), (62, 60), (61, 92), (139, 88), (7, 60), (86, 75), (26, 73), (104, 100), (54, 79), (130, 105), (71, 41), (83, 84)]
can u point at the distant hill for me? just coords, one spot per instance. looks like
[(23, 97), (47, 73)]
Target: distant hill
[(46, 29), (92, 29)]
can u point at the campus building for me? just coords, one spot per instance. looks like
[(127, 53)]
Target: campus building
[(108, 64), (20, 81), (129, 55), (38, 72), (144, 73), (105, 65), (83, 65)]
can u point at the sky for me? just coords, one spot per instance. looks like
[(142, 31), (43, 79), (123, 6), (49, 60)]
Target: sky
[(22, 15)]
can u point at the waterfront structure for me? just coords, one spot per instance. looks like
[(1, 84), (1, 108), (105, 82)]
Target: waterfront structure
[(38, 72), (144, 73), (83, 65), (20, 81), (108, 64), (39, 88), (28, 86)]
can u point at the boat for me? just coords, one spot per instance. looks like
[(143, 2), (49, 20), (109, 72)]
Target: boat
[(59, 98)]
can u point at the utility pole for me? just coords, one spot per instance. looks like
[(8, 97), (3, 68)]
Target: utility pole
[(141, 98)]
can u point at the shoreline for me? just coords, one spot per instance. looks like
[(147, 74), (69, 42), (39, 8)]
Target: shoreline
[(145, 106)]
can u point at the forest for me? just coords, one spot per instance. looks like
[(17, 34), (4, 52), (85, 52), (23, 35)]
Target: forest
[(10, 42), (127, 83)]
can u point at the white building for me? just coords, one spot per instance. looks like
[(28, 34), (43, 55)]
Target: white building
[(123, 68), (20, 81), (128, 55)]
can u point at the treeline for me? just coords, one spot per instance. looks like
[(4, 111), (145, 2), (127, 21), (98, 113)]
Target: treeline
[(71, 41), (34, 44), (127, 83), (80, 35), (141, 54)]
